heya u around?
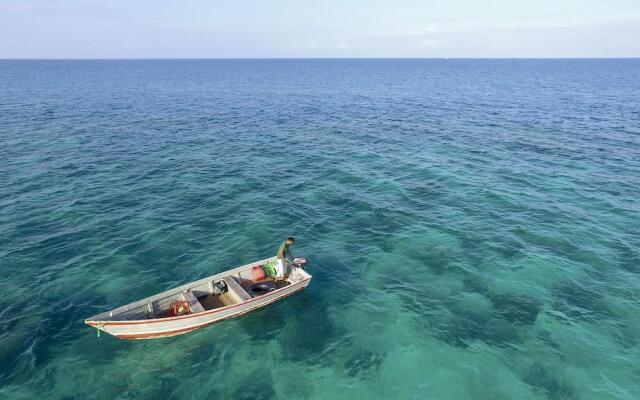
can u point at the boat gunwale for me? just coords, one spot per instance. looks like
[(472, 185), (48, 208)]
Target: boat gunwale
[(101, 323), (175, 290), (177, 332)]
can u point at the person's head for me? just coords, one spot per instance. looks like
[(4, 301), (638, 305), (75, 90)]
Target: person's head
[(290, 240)]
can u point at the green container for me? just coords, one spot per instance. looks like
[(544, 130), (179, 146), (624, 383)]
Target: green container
[(270, 269)]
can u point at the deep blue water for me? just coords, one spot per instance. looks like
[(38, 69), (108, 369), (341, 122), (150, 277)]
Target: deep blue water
[(471, 225)]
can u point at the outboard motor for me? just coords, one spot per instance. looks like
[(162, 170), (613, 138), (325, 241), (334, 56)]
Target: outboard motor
[(300, 261)]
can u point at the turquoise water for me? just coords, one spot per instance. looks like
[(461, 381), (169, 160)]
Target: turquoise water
[(472, 226)]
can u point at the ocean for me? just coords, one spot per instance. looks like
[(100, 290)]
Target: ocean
[(472, 226)]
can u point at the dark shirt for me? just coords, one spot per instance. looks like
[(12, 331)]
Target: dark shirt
[(284, 250)]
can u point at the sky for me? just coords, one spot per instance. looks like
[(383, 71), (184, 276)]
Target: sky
[(307, 28)]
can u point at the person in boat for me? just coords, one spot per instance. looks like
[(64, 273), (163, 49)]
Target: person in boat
[(284, 258)]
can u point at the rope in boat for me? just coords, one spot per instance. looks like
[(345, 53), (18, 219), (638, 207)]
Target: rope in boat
[(99, 327)]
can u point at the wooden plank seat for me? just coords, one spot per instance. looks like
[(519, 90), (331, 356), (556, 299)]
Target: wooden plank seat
[(194, 303), (235, 288)]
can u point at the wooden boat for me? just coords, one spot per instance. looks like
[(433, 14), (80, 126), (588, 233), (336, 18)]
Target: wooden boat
[(200, 303)]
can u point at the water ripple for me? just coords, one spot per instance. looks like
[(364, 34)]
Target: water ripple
[(471, 225)]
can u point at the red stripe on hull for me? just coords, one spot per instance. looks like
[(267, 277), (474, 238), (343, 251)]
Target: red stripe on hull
[(215, 310), (177, 332)]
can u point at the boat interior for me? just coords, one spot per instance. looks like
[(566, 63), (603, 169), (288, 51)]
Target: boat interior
[(204, 295)]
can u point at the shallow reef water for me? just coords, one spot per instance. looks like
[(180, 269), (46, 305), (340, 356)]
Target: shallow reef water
[(471, 226)]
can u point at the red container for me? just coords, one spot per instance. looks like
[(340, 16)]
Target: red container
[(258, 273)]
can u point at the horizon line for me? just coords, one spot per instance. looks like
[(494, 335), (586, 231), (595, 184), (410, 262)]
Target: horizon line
[(303, 58)]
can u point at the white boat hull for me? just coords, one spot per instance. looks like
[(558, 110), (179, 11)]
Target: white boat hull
[(172, 326)]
